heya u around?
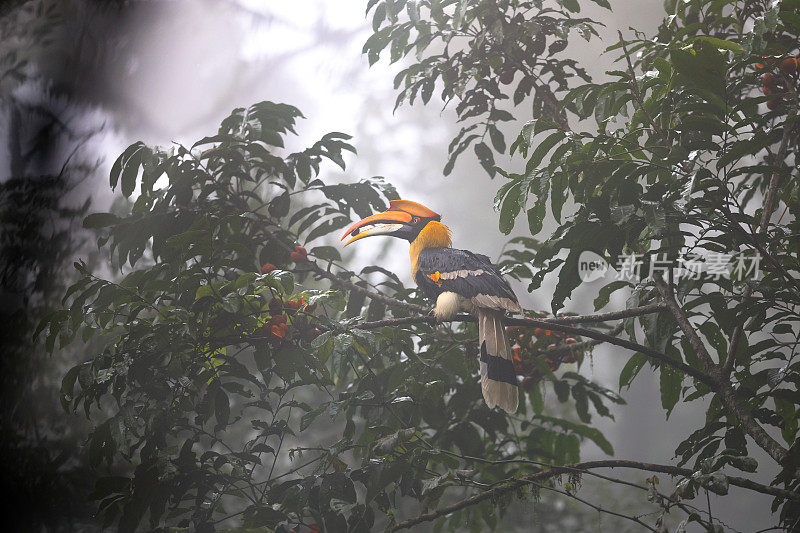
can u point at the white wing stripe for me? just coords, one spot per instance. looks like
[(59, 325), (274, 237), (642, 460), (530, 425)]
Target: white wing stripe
[(462, 273)]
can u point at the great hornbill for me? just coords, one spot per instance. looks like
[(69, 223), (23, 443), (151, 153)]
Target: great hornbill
[(458, 280)]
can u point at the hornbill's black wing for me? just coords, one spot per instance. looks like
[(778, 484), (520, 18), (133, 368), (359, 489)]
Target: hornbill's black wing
[(467, 274)]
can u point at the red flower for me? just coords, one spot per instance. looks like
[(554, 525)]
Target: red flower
[(295, 304), (299, 254)]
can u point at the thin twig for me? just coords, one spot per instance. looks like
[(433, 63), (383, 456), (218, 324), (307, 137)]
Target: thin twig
[(596, 507), (637, 93), (514, 484)]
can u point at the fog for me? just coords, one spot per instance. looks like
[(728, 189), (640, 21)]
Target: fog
[(177, 68)]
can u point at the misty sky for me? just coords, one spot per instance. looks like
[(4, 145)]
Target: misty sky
[(187, 64)]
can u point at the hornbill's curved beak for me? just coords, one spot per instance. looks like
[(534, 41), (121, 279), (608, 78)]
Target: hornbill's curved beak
[(403, 219)]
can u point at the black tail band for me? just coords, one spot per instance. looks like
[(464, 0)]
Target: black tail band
[(497, 368)]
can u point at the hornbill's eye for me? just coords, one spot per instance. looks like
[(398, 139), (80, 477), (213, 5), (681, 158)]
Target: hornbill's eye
[(415, 220)]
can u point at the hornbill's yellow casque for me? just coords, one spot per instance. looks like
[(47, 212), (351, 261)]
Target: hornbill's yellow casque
[(459, 280)]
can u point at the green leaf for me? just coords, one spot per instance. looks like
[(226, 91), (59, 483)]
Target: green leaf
[(308, 418), (510, 209), (736, 48), (279, 206), (572, 5), (670, 383), (328, 253), (604, 294), (100, 220), (327, 227), (542, 150), (702, 67), (631, 369), (222, 408), (498, 140), (126, 168), (485, 158), (581, 402)]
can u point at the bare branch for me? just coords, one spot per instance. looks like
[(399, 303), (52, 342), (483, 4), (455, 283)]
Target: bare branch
[(613, 315)]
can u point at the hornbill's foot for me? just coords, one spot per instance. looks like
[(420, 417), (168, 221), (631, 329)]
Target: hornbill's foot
[(432, 316)]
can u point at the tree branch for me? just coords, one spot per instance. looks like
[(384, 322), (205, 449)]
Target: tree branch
[(555, 324), (321, 272), (388, 300), (770, 202), (719, 382), (613, 315), (578, 346), (536, 478)]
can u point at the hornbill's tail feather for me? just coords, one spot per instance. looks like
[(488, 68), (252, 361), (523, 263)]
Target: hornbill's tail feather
[(498, 379)]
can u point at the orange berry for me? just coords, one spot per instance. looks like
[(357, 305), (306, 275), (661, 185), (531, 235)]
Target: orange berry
[(268, 267), (279, 330), (570, 340), (769, 79), (506, 77), (775, 102)]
